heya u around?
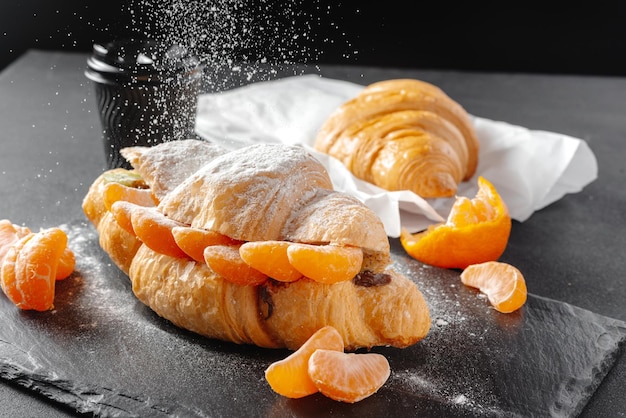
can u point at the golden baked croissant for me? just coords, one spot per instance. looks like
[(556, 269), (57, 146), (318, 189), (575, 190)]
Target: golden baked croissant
[(261, 193), (403, 135)]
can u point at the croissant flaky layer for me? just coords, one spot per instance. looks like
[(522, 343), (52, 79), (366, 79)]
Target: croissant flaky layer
[(377, 307), (277, 314), (403, 135)]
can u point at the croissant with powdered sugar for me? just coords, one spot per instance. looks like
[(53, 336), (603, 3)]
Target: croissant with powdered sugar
[(261, 194)]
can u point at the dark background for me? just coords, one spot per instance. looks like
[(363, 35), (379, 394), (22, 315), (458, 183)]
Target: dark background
[(577, 38)]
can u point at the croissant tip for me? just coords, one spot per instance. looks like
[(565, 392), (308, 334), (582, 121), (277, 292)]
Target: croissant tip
[(436, 185)]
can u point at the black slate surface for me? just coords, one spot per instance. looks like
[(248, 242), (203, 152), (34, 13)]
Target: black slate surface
[(102, 352), (571, 251)]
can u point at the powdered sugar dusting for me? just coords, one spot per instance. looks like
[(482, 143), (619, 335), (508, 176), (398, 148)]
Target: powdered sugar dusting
[(81, 237), (451, 305), (248, 193), (99, 340), (100, 281), (424, 385)]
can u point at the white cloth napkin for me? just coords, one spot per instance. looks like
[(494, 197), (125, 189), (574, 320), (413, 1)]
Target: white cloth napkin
[(530, 169)]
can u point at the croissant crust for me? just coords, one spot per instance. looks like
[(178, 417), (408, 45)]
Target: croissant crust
[(403, 135), (261, 193)]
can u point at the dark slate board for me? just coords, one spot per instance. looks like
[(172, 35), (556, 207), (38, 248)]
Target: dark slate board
[(103, 353)]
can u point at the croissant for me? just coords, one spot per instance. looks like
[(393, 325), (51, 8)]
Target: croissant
[(263, 192), (403, 135)]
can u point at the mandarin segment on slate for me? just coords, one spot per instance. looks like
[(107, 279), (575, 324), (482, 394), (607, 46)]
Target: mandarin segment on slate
[(67, 264), (9, 235), (226, 262), (30, 267), (477, 230), (503, 284), (348, 377), (155, 230), (8, 280), (326, 263), (290, 376), (193, 241), (270, 257)]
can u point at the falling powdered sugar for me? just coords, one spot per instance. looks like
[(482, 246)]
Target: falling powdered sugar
[(237, 40)]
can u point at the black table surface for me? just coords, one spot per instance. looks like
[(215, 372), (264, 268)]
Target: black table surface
[(51, 151)]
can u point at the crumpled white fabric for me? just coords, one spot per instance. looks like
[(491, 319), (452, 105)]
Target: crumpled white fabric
[(530, 169)]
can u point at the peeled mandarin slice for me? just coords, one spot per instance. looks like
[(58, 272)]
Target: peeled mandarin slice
[(503, 284), (122, 213), (7, 232), (9, 235), (348, 377), (113, 192), (193, 241), (8, 280), (21, 231), (155, 230), (30, 267), (270, 257), (326, 263), (290, 376), (477, 230), (67, 264), (227, 263)]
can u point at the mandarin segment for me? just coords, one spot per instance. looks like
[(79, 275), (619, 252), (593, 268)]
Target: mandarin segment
[(503, 284), (113, 192), (22, 231), (290, 376), (67, 264), (8, 279), (227, 263), (122, 213), (155, 230), (477, 230), (30, 268), (467, 211), (326, 263), (270, 257), (193, 241), (9, 235), (348, 377)]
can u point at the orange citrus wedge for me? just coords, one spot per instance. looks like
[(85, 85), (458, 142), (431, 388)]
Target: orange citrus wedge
[(348, 377), (9, 235), (477, 230), (114, 192), (325, 263), (155, 230), (193, 241), (67, 264), (290, 376), (503, 284), (29, 269), (122, 211), (227, 263), (270, 257)]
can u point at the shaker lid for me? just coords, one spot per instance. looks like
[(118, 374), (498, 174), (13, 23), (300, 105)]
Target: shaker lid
[(139, 60)]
